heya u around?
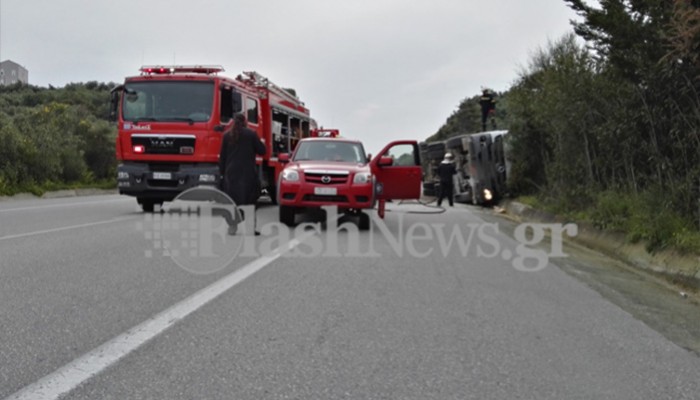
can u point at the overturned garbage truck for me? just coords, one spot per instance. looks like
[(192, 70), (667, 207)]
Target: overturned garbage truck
[(483, 166)]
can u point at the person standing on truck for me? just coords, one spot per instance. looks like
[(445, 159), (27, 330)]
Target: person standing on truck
[(446, 170), (239, 147), (488, 108)]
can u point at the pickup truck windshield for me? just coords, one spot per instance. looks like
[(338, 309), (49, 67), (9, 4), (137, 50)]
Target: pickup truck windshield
[(331, 150), (168, 101)]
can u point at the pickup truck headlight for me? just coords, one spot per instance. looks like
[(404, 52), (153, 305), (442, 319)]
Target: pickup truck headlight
[(362, 177), (290, 175)]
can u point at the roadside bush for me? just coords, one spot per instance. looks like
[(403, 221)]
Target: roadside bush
[(98, 150), (614, 209), (73, 168), (649, 217), (14, 148)]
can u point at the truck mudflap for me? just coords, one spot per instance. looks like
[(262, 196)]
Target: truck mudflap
[(164, 181)]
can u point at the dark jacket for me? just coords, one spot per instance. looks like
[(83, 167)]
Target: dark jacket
[(488, 103), (237, 165), (445, 171)]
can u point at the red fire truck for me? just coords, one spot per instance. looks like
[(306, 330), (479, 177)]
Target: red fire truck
[(171, 119)]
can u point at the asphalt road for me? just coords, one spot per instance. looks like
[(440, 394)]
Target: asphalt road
[(399, 312)]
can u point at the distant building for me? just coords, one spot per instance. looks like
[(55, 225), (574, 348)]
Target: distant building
[(11, 73)]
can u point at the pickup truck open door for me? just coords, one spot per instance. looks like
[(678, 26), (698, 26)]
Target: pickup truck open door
[(398, 173)]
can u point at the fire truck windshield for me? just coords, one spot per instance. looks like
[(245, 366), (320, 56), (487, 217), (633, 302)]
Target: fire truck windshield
[(168, 101), (330, 150)]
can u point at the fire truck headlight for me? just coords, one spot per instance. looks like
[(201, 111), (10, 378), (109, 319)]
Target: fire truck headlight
[(122, 175), (362, 177), (488, 195), (290, 175), (207, 178)]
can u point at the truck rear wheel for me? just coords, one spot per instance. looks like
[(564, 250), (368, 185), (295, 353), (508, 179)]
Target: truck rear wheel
[(288, 215)]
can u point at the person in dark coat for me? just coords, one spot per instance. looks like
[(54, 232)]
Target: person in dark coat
[(239, 147), (488, 108), (446, 171)]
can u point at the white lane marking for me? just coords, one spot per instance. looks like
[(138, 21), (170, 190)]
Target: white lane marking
[(73, 374), (64, 228), (63, 205)]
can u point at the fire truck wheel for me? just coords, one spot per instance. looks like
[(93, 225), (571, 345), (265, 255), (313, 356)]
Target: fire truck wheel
[(287, 215)]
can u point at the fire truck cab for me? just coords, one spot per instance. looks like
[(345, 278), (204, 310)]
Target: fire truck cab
[(331, 170), (171, 119)]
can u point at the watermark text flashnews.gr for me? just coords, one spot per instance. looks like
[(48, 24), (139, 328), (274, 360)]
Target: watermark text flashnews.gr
[(198, 239)]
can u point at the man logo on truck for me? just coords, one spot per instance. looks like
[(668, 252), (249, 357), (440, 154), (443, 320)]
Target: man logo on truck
[(162, 143)]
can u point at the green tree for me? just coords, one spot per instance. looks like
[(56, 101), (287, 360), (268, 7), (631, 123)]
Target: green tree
[(554, 110), (55, 136), (629, 34)]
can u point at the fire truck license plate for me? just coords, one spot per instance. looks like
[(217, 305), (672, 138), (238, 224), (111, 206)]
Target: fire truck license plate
[(325, 191), (162, 175)]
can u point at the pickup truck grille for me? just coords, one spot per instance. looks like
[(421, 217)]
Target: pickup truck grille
[(165, 144), (326, 179)]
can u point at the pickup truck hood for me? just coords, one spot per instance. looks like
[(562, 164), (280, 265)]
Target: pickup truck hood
[(328, 166)]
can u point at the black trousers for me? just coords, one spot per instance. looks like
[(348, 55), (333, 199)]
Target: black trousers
[(446, 191)]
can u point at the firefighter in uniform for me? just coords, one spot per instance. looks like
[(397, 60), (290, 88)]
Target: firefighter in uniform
[(446, 170)]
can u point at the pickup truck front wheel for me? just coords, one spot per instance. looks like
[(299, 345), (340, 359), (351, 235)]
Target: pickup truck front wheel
[(288, 215), (364, 222), (148, 205)]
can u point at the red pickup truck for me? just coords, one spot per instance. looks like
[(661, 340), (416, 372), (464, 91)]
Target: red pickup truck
[(335, 171)]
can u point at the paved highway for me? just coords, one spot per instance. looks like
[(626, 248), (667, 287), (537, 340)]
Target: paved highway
[(93, 308)]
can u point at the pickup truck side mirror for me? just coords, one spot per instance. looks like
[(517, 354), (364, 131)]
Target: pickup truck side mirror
[(385, 161), (369, 157), (283, 158)]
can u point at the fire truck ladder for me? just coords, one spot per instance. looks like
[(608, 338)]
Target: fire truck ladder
[(260, 81)]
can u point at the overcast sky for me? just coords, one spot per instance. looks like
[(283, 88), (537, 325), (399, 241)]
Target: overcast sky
[(379, 70)]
